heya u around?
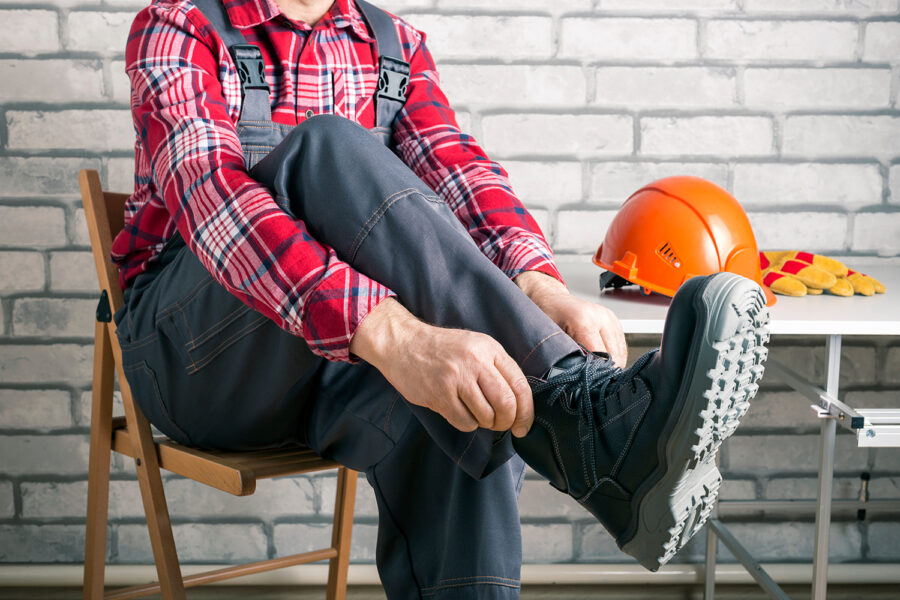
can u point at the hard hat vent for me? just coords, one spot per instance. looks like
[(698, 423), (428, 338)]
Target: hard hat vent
[(668, 254)]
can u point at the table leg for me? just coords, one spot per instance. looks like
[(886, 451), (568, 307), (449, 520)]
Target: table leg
[(709, 575), (826, 473)]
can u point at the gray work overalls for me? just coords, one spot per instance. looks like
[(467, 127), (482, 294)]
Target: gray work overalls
[(208, 370)]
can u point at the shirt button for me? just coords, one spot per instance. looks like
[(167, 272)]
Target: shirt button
[(310, 114)]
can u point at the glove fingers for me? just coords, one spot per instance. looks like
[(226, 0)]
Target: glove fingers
[(810, 275), (861, 285), (877, 286), (776, 257), (783, 284), (835, 267), (843, 287)]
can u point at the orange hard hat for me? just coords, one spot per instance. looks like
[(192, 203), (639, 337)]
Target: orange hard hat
[(675, 228)]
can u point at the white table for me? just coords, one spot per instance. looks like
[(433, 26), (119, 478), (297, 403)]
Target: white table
[(827, 316)]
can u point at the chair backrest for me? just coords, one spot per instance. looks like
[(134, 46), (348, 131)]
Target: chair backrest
[(105, 213)]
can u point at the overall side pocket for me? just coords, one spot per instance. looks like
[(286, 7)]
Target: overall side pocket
[(209, 324), (146, 392)]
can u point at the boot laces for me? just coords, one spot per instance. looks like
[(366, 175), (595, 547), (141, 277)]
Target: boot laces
[(573, 387)]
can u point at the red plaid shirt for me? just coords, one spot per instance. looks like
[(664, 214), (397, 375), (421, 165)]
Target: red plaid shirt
[(186, 99)]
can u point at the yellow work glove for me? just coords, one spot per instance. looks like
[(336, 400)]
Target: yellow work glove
[(795, 273), (863, 284)]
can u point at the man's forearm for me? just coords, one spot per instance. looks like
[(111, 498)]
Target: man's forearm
[(386, 328), (538, 285)]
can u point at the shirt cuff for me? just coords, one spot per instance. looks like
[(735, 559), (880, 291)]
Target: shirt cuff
[(528, 252), (336, 308)]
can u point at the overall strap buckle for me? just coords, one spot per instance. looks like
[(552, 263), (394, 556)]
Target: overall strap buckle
[(393, 79), (250, 66)]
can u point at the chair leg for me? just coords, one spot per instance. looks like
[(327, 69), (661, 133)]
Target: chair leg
[(342, 533), (98, 466), (153, 497)]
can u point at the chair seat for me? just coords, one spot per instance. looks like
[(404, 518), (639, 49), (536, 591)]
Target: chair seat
[(232, 472)]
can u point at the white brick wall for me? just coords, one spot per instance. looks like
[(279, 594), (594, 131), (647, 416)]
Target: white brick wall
[(882, 42), (825, 231), (53, 317), (513, 85), (486, 37), (810, 88), (28, 177), (72, 272), (29, 31), (627, 39), (547, 543), (707, 136), (546, 183), (7, 500), (874, 232), (89, 130), (791, 106), (38, 227), (748, 40), (612, 182), (774, 185), (21, 272), (41, 410), (894, 185), (582, 135), (681, 87), (103, 32), (870, 136), (25, 80), (233, 543), (823, 7)]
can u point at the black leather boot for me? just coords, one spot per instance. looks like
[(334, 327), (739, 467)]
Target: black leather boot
[(637, 446)]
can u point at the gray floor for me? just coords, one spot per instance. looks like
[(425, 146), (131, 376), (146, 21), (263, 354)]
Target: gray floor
[(654, 592)]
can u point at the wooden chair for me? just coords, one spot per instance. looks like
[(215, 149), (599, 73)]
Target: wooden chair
[(235, 473)]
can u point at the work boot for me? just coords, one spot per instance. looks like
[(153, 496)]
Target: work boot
[(637, 447)]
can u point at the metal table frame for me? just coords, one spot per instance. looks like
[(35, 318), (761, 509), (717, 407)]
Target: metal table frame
[(873, 427)]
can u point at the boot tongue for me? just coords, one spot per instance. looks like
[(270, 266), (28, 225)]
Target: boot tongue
[(619, 388), (564, 364)]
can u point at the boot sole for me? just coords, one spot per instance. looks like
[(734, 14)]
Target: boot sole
[(717, 393)]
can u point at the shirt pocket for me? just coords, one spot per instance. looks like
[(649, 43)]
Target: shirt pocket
[(354, 88), (343, 101)]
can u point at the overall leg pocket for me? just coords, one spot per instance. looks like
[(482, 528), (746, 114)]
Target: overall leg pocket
[(235, 379), (146, 392), (206, 321)]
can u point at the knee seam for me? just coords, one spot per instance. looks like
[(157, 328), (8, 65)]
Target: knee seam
[(375, 217)]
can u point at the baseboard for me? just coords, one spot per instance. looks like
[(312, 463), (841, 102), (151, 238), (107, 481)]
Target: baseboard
[(563, 574)]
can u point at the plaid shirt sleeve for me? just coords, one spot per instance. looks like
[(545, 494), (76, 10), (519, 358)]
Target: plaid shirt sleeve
[(456, 168), (233, 225)]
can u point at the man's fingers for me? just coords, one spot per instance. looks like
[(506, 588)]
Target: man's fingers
[(478, 405), (515, 378), (591, 339), (458, 415), (500, 396), (614, 338)]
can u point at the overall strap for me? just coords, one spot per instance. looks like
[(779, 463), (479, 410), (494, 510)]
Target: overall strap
[(393, 71), (247, 58)]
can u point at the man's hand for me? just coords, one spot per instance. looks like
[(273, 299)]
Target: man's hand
[(466, 377), (593, 326)]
